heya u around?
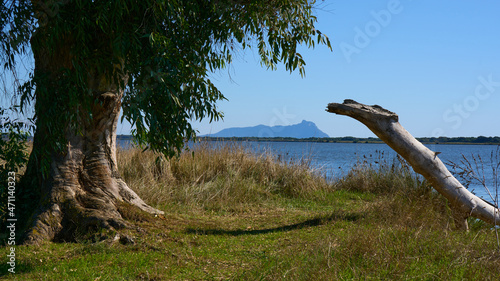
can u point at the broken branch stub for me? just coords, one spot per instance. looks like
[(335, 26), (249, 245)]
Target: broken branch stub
[(385, 125)]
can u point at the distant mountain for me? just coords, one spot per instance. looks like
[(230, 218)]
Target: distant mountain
[(305, 129)]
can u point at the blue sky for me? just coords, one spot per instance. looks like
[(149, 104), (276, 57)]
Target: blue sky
[(435, 63)]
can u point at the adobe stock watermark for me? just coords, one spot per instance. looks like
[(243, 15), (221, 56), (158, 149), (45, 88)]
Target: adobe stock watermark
[(363, 36), (11, 222), (456, 114), (282, 117)]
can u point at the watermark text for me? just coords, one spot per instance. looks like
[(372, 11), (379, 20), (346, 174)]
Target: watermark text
[(458, 112), (11, 221), (373, 28)]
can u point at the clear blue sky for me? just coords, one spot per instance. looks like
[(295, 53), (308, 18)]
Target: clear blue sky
[(435, 63)]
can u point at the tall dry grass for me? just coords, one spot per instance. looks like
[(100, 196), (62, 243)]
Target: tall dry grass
[(217, 176), (403, 198), (228, 177)]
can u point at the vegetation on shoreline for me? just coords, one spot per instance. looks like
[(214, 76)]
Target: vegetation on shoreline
[(349, 139), (233, 215)]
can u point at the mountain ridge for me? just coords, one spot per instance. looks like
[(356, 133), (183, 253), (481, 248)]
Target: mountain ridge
[(304, 129)]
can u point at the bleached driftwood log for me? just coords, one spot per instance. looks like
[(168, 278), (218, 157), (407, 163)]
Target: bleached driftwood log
[(385, 125)]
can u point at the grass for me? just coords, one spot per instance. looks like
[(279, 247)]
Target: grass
[(232, 215)]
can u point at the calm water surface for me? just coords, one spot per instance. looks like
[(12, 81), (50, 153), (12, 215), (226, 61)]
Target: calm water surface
[(335, 159)]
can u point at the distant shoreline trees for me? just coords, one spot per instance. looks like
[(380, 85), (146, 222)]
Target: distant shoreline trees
[(349, 139)]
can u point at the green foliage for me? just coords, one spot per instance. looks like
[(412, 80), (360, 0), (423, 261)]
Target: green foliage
[(160, 52), (16, 27), (13, 144), (13, 154)]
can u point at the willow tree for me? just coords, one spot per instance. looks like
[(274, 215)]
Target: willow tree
[(150, 59)]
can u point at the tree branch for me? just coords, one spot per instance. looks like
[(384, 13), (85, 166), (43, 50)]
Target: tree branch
[(385, 125)]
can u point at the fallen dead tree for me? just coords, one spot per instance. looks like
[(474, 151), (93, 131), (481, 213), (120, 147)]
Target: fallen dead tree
[(385, 125)]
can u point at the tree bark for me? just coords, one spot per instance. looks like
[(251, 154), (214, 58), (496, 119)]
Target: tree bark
[(385, 125), (82, 188)]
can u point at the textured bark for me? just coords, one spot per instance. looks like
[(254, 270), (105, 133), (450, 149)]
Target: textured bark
[(385, 125), (83, 187)]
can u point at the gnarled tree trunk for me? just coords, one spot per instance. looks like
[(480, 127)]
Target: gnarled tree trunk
[(82, 187), (385, 125)]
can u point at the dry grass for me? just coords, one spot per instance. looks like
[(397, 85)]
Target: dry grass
[(229, 178), (403, 199), (233, 215), (218, 177)]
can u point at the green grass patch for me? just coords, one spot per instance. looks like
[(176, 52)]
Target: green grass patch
[(233, 215)]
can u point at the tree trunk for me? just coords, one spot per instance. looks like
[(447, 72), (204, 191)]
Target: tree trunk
[(82, 187), (385, 125)]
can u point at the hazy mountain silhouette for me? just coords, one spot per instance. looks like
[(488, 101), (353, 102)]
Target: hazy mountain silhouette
[(305, 129)]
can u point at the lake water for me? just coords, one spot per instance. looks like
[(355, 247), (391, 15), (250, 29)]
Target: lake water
[(335, 159)]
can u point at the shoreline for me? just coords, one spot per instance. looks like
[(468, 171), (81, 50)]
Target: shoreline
[(371, 140)]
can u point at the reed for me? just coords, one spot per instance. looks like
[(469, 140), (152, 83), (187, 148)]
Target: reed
[(217, 176), (233, 215)]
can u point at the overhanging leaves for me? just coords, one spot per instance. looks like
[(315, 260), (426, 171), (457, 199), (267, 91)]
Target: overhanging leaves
[(160, 52)]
